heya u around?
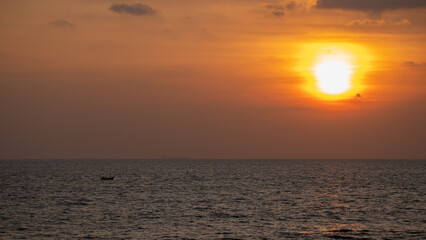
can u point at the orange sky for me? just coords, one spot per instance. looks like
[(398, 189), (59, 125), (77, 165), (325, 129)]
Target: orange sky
[(206, 79)]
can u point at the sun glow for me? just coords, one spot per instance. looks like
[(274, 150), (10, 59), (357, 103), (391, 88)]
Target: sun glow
[(333, 71)]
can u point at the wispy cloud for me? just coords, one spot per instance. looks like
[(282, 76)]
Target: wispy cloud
[(133, 9), (61, 23), (414, 64), (378, 23), (276, 9)]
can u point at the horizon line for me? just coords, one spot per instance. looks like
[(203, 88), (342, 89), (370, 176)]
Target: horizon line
[(183, 158)]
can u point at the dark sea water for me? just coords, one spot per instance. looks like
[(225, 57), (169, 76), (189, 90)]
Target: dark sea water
[(213, 199)]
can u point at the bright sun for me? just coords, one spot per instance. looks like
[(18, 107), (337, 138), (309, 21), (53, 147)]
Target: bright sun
[(333, 76), (333, 71)]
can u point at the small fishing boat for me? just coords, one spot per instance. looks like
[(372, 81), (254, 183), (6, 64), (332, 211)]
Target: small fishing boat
[(107, 178)]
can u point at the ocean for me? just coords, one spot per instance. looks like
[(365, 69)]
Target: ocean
[(213, 199)]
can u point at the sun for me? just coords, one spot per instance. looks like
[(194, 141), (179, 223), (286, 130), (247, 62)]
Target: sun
[(333, 71), (333, 76)]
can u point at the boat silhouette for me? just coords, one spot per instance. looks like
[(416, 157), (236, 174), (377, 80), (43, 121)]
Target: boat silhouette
[(107, 178)]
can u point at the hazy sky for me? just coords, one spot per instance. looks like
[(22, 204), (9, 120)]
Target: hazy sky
[(206, 79)]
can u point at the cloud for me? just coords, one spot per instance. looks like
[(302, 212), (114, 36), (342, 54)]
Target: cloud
[(414, 64), (278, 13), (370, 5), (275, 6), (278, 9), (133, 9), (61, 23), (291, 5), (378, 23)]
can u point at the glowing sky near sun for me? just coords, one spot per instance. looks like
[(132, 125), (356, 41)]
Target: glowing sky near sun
[(334, 71), (226, 79)]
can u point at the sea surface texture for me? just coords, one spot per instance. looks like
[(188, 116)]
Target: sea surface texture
[(213, 199)]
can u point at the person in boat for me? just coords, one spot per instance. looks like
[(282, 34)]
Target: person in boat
[(107, 178)]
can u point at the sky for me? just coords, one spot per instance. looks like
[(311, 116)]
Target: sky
[(207, 79)]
